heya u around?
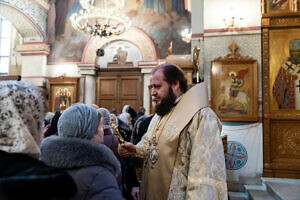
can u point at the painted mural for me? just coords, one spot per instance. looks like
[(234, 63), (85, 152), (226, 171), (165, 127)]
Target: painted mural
[(162, 20)]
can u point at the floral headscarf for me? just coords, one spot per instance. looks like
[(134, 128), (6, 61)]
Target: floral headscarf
[(21, 117)]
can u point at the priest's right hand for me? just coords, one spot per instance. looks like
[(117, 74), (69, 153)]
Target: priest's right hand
[(127, 149)]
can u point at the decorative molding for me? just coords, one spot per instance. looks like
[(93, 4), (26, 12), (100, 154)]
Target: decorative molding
[(236, 29), (265, 71), (266, 143), (197, 35), (281, 21), (148, 63), (265, 22), (232, 31), (87, 69), (234, 56), (183, 61), (34, 49)]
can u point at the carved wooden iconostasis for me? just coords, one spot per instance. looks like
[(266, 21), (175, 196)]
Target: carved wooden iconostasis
[(281, 87), (63, 92)]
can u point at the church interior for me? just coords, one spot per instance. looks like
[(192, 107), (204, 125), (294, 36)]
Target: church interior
[(247, 51)]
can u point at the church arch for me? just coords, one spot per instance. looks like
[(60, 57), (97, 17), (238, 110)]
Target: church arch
[(113, 53), (31, 26), (134, 35)]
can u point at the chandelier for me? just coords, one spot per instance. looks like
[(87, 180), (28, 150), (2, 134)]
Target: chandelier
[(101, 18)]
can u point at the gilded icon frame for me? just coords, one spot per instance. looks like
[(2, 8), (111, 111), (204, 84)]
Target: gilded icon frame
[(63, 93), (279, 53), (280, 7), (234, 88)]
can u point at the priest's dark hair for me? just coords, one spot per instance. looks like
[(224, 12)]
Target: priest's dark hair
[(172, 73)]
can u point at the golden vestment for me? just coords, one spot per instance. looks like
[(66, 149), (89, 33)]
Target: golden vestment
[(190, 162)]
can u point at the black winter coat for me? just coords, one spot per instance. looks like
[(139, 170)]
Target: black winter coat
[(23, 177), (93, 166)]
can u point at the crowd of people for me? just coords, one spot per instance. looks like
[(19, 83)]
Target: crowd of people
[(76, 154)]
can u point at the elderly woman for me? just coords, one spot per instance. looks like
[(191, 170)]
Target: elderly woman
[(22, 175), (78, 148), (110, 139)]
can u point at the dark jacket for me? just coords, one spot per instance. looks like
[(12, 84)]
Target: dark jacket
[(129, 179), (111, 141), (125, 130), (93, 166), (140, 128), (23, 177), (53, 128)]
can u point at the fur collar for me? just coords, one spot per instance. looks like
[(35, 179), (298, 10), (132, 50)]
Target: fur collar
[(68, 153)]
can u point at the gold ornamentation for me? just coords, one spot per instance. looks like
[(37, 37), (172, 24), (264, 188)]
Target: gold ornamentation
[(233, 55), (152, 150), (291, 21), (265, 22), (196, 64), (170, 49), (289, 138), (118, 134)]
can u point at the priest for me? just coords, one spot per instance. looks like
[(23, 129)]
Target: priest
[(182, 149)]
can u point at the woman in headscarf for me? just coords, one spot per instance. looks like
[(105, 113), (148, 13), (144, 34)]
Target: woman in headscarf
[(110, 139), (53, 125), (22, 175), (78, 148), (132, 113), (129, 179), (125, 125)]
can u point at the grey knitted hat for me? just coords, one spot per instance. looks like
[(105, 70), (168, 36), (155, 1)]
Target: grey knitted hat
[(105, 115), (79, 121)]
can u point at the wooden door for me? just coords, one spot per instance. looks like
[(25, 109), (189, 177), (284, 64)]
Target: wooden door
[(119, 87), (107, 92)]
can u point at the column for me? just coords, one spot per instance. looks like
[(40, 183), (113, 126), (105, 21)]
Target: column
[(90, 73), (34, 62), (146, 68)]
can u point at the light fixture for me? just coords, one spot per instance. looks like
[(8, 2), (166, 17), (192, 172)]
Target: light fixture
[(232, 22), (102, 19), (233, 17), (186, 35)]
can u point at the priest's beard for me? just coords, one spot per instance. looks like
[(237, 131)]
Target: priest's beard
[(166, 103)]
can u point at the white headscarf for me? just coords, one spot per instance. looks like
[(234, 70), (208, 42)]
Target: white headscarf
[(125, 109), (124, 117), (21, 117)]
